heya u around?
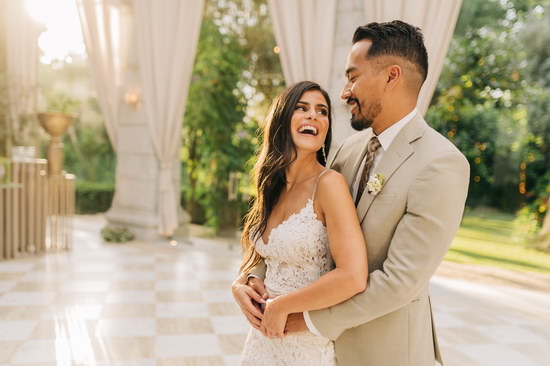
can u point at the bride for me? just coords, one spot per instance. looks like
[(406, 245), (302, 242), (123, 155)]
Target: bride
[(303, 226)]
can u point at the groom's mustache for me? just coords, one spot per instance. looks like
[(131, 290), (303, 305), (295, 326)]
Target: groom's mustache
[(352, 100)]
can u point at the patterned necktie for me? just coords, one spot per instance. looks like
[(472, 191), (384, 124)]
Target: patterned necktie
[(372, 147)]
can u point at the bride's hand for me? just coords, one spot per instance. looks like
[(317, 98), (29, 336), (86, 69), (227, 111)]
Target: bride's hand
[(274, 319)]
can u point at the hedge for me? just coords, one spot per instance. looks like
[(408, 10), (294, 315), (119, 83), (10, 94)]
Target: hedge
[(93, 197)]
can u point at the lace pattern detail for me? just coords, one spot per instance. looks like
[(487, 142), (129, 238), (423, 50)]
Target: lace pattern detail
[(296, 254), (300, 349)]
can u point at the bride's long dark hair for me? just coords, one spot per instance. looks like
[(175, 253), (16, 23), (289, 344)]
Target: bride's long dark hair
[(277, 154)]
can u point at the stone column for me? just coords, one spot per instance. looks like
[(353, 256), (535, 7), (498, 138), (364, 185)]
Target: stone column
[(349, 16), (136, 189)]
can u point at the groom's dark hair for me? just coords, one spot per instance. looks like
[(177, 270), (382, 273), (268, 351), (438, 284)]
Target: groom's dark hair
[(395, 38)]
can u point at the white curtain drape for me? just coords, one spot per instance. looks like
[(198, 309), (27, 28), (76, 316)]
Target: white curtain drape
[(436, 18), (304, 31), (167, 33), (21, 62), (99, 20)]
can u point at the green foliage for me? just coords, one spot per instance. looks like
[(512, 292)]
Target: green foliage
[(61, 102), (251, 22), (88, 152), (216, 136), (476, 14), (479, 106), (4, 170), (493, 102), (116, 234), (536, 154), (93, 197), (526, 226)]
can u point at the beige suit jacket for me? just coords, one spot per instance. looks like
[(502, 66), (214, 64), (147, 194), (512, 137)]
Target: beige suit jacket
[(408, 228)]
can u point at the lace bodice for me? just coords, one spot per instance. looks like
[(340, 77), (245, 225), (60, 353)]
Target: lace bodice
[(296, 253)]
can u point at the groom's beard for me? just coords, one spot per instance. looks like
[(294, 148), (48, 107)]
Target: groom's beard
[(363, 119)]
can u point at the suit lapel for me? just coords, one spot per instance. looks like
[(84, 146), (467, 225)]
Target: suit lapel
[(399, 151)]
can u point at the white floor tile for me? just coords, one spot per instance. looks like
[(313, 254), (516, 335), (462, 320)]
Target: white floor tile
[(509, 334), (88, 266), (182, 309), (216, 275), (178, 267), (126, 297), (40, 276), (214, 296), (446, 319), (136, 259), (175, 285), (16, 331), (35, 351), (14, 266), (144, 362), (134, 275), (73, 312), (496, 355), (126, 328), (6, 285), (230, 324), (86, 286), (187, 345), (24, 298), (233, 360)]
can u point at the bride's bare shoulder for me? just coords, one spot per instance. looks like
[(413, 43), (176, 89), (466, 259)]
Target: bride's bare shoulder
[(332, 184)]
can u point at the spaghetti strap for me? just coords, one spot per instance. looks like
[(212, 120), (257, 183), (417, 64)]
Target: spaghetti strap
[(317, 181)]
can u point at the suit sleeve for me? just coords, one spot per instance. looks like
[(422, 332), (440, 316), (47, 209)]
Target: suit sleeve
[(435, 204), (334, 163), (258, 270)]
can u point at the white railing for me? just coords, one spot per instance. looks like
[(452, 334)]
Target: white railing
[(36, 210)]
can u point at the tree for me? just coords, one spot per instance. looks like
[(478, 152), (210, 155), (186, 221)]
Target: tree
[(536, 156), (479, 106), (492, 101), (237, 74), (216, 138)]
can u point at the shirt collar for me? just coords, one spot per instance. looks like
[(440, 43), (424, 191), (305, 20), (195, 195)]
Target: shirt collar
[(388, 135)]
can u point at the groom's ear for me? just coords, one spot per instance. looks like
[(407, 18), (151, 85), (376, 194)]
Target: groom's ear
[(393, 76)]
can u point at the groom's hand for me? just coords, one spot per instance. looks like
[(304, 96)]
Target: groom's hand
[(249, 300), (258, 285), (295, 323)]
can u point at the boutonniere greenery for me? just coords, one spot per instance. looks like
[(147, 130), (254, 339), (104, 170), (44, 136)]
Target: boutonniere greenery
[(375, 183)]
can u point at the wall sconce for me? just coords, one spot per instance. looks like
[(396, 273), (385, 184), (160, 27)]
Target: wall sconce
[(132, 96)]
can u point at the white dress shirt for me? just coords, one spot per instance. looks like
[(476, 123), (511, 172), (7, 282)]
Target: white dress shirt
[(386, 138)]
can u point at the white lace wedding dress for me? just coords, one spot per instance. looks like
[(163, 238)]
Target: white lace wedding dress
[(296, 254)]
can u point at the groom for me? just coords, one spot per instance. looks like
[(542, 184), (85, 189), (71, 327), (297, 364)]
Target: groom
[(408, 222)]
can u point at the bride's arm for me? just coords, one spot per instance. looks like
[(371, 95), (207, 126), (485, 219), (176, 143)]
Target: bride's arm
[(348, 250)]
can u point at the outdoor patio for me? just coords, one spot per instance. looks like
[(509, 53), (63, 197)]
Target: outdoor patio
[(152, 303)]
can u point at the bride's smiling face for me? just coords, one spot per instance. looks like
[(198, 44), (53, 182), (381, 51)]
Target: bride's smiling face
[(310, 122)]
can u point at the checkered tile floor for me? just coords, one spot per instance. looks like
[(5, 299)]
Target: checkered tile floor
[(153, 304)]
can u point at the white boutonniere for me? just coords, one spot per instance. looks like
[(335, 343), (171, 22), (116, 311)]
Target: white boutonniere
[(375, 183)]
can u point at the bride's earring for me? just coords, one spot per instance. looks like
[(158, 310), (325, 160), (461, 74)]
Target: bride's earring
[(324, 154)]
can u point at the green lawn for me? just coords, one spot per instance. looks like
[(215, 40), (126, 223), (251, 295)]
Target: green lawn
[(487, 238)]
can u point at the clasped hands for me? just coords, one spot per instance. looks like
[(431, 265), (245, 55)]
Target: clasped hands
[(266, 315)]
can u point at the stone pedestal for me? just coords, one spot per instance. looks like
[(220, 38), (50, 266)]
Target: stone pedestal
[(135, 204), (349, 16)]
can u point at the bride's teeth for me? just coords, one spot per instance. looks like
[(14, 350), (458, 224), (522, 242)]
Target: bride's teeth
[(308, 128)]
